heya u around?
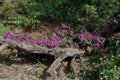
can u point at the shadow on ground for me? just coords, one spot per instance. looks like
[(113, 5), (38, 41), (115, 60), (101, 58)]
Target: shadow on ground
[(23, 66)]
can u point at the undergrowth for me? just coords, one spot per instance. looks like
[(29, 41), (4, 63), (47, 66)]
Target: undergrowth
[(98, 22)]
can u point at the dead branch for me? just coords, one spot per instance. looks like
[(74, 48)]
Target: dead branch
[(76, 64), (59, 53), (3, 46)]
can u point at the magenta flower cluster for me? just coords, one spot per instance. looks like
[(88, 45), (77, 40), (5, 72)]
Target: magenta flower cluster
[(96, 41), (61, 35), (53, 41)]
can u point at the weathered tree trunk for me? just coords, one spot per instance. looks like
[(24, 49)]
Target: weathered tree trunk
[(59, 53)]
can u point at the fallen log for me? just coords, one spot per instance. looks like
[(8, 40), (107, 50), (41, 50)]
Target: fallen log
[(59, 53), (3, 46)]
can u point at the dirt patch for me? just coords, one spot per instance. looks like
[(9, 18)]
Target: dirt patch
[(23, 67), (42, 26)]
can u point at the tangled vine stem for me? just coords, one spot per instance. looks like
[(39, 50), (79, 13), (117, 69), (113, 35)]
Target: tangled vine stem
[(59, 53)]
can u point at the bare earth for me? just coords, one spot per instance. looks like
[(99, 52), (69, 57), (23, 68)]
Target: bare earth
[(23, 67)]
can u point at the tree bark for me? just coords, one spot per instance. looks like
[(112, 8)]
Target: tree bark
[(59, 53)]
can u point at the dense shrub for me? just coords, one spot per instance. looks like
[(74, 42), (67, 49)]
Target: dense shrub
[(95, 13), (15, 13), (91, 13), (107, 67)]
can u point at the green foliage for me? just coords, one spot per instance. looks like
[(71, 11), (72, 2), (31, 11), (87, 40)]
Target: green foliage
[(113, 44), (102, 69), (105, 10), (2, 29), (16, 14), (66, 43), (58, 10), (9, 57), (109, 69), (8, 9), (39, 72), (93, 12), (105, 68)]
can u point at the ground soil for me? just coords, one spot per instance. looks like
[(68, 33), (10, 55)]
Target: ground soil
[(23, 67)]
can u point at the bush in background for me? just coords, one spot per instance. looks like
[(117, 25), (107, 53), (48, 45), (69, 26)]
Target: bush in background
[(92, 13)]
